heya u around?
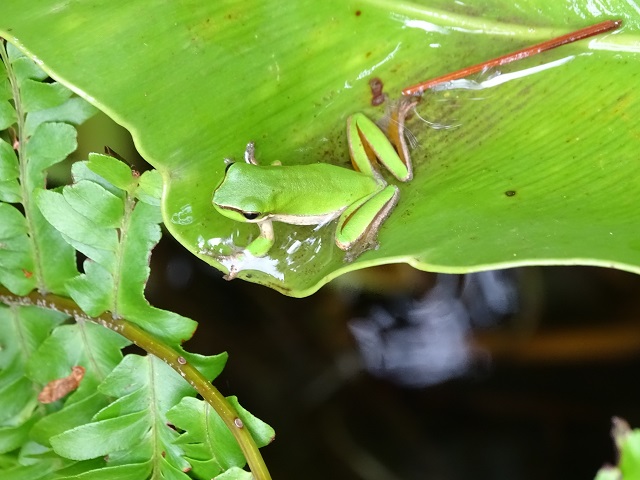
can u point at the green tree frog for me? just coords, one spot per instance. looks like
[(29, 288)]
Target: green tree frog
[(318, 193)]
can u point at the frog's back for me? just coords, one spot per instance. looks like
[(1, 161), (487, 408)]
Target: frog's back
[(313, 189)]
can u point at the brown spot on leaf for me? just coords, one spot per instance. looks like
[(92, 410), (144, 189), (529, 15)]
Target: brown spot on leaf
[(56, 389), (377, 97)]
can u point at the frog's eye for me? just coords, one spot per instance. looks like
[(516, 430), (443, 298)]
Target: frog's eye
[(250, 215)]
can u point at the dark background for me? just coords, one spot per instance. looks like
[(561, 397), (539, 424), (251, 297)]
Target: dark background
[(535, 402)]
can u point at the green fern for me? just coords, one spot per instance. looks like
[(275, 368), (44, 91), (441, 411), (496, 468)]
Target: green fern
[(208, 444), (115, 423)]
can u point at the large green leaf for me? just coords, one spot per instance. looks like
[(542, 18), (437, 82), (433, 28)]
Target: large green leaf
[(195, 81)]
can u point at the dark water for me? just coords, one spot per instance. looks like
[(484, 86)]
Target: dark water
[(527, 395)]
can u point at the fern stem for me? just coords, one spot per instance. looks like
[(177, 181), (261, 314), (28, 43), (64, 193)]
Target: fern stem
[(164, 352), (25, 187)]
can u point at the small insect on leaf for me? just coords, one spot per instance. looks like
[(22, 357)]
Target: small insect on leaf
[(56, 389)]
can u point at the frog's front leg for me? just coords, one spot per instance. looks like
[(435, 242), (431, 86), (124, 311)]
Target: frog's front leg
[(250, 155), (358, 225), (261, 245)]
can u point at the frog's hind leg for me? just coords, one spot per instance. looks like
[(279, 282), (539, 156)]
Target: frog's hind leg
[(397, 135), (368, 146), (358, 225)]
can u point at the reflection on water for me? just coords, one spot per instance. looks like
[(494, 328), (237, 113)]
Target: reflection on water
[(184, 216), (498, 78), (425, 341), (295, 250)]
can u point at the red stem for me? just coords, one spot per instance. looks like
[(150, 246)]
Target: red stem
[(586, 32)]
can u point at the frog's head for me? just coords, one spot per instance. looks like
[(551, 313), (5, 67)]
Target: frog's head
[(233, 199)]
